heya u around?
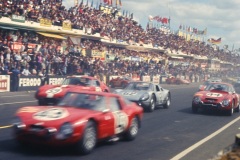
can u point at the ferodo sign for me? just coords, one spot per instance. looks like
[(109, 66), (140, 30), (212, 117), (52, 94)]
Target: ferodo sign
[(55, 81), (29, 82)]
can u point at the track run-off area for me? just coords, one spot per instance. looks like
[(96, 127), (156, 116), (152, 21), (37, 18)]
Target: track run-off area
[(174, 133)]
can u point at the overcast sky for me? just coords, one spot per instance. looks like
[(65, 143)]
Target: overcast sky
[(220, 17)]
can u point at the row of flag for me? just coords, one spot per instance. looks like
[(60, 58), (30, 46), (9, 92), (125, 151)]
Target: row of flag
[(110, 2), (193, 30)]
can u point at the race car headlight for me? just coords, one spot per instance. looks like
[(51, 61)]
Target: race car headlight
[(225, 102), (144, 97), (65, 131), (196, 100)]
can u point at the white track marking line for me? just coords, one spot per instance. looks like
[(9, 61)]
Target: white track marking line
[(15, 96), (17, 102), (188, 150)]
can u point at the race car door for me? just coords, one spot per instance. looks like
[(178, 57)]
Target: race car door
[(158, 94), (120, 117)]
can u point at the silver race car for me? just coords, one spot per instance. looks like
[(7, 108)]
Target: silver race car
[(146, 94)]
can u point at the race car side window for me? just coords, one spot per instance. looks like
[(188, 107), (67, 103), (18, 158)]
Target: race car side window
[(157, 88), (114, 104)]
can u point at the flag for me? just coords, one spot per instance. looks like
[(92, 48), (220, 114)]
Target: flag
[(213, 41), (205, 31), (97, 5), (123, 12), (126, 13), (165, 20), (87, 3), (110, 2), (131, 16), (120, 2), (117, 2), (180, 27), (92, 4)]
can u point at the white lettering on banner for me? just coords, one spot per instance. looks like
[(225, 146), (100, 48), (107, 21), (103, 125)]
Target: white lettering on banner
[(156, 79), (146, 78), (55, 81), (29, 82), (4, 83)]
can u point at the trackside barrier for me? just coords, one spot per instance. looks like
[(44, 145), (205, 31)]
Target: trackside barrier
[(156, 79), (27, 83), (4, 83), (146, 79)]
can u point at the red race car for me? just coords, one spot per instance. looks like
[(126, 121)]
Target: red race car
[(217, 96), (174, 80), (81, 119), (51, 94), (119, 82)]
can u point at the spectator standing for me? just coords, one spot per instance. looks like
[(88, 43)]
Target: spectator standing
[(15, 78)]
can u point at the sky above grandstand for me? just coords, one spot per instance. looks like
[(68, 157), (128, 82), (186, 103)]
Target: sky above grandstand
[(220, 17)]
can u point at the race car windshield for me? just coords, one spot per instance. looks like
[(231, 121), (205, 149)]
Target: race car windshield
[(76, 81), (138, 86), (83, 101), (219, 87)]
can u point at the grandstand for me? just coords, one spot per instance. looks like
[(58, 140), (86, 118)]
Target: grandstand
[(92, 38)]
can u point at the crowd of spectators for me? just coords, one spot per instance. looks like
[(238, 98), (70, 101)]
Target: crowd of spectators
[(47, 58)]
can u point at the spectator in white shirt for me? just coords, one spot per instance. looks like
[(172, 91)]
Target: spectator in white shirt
[(26, 72)]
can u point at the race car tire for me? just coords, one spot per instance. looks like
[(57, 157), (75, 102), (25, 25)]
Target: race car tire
[(133, 130), (194, 109), (152, 105), (238, 108), (89, 138), (168, 101), (111, 85), (230, 111), (123, 85), (41, 103)]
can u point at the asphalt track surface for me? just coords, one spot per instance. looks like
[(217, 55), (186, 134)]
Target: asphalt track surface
[(174, 133)]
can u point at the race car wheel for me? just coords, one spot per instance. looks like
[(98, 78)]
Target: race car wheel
[(168, 102), (194, 109), (133, 130), (111, 85), (230, 112), (123, 85), (152, 105), (89, 139), (41, 103)]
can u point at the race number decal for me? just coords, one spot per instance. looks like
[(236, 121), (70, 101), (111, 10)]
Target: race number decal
[(51, 92), (214, 95), (28, 109), (98, 89), (120, 121), (51, 114)]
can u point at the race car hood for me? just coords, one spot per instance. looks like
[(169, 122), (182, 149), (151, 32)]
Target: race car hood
[(53, 116), (57, 91), (132, 95), (213, 94)]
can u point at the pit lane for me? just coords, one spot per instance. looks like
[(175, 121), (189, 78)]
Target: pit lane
[(164, 134)]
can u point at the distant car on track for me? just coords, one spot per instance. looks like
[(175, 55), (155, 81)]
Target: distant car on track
[(81, 118), (217, 96), (119, 82), (146, 94), (51, 94), (174, 80)]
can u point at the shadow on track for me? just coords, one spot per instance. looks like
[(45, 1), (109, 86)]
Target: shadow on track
[(204, 112)]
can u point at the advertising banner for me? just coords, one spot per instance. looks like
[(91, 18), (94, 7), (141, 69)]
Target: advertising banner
[(156, 79), (146, 78), (98, 54), (67, 25), (17, 18), (16, 45), (4, 83), (45, 22)]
